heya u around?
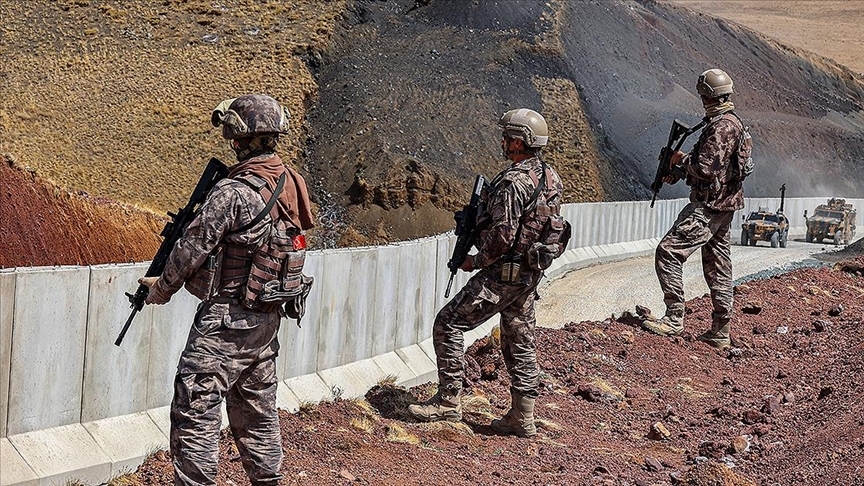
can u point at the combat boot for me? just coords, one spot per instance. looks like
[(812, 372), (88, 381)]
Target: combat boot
[(665, 326), (442, 406), (519, 420), (718, 336)]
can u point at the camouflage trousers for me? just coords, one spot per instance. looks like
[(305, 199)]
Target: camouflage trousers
[(482, 297), (231, 354), (697, 227)]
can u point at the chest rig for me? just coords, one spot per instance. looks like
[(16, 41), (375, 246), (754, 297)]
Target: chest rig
[(264, 275)]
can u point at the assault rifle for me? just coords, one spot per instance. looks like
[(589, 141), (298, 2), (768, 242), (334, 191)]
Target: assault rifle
[(677, 135), (466, 230), (173, 230)]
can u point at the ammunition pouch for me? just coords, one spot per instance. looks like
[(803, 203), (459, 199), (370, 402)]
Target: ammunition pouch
[(289, 294), (205, 282), (540, 256), (510, 268), (552, 243)]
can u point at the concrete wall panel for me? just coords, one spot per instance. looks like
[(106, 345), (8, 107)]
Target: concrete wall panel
[(386, 323), (168, 334), (48, 337), (347, 310), (298, 354), (417, 285), (7, 309), (445, 245), (115, 378)]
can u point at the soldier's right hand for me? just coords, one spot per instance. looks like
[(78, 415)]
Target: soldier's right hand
[(155, 296)]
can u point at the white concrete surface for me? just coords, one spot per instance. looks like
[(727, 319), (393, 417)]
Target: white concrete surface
[(15, 471), (167, 338), (64, 453), (113, 383), (416, 299), (113, 436), (48, 338), (308, 388), (299, 345), (286, 399), (392, 365), (385, 324), (422, 367)]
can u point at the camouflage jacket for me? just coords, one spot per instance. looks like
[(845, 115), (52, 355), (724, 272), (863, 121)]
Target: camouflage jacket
[(710, 171), (506, 206), (230, 205)]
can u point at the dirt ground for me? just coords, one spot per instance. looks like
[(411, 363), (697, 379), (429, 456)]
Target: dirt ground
[(830, 28), (783, 407)]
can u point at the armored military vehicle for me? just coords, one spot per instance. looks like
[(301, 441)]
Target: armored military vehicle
[(835, 221), (764, 225)]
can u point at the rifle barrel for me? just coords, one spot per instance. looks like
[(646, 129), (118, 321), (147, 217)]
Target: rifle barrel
[(125, 327)]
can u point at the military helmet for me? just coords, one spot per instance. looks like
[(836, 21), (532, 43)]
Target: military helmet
[(526, 125), (714, 83), (251, 115)]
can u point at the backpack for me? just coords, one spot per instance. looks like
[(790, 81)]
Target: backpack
[(744, 154)]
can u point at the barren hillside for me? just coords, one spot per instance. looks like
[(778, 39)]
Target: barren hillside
[(830, 28), (42, 224), (395, 102)]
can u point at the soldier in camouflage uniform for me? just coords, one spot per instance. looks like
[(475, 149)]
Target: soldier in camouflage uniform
[(716, 191), (231, 349), (522, 235)]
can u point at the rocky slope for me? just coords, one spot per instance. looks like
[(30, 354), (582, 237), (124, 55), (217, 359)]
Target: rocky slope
[(395, 102), (42, 224), (622, 407)]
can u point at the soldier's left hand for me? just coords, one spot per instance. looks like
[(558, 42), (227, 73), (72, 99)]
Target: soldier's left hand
[(676, 159), (468, 264)]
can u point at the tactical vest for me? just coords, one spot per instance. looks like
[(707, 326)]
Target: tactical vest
[(541, 221), (262, 276)]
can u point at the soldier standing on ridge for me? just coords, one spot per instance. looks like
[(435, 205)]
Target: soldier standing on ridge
[(523, 228), (235, 245), (714, 170)]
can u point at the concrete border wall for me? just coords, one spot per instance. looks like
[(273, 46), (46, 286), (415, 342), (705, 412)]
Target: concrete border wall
[(74, 406)]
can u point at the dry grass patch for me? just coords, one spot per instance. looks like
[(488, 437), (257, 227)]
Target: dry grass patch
[(397, 433)]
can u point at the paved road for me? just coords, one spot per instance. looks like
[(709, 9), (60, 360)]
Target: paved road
[(595, 293)]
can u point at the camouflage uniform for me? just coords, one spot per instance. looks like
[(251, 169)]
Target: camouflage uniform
[(230, 352), (486, 295), (704, 223)]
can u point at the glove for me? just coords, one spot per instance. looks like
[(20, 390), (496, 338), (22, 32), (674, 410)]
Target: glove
[(676, 171), (155, 296), (468, 264)]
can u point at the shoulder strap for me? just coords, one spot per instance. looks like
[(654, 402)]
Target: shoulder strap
[(273, 198), (540, 186)]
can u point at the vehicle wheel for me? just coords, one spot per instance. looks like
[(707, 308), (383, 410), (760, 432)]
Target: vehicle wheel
[(838, 237), (775, 240), (783, 239), (808, 237), (745, 237), (753, 241)]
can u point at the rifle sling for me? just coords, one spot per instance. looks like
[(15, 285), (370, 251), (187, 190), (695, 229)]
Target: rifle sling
[(540, 186), (264, 212)]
